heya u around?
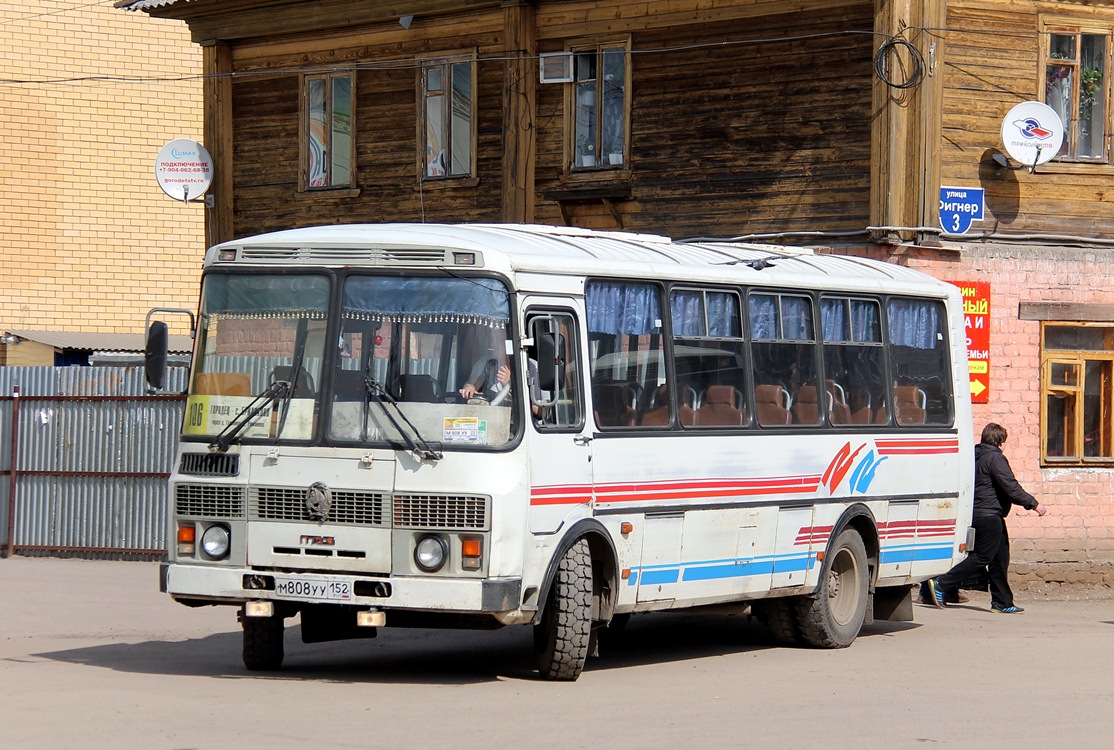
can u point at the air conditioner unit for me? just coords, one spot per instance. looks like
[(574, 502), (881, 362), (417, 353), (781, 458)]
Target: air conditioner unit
[(555, 67)]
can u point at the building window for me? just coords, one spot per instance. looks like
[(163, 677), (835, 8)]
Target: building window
[(447, 122), (1077, 392), (599, 134), (1075, 85), (327, 127)]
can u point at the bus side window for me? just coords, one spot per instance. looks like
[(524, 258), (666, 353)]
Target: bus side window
[(626, 349), (854, 361), (561, 408), (919, 354)]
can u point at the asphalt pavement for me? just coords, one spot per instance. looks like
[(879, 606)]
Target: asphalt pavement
[(93, 656)]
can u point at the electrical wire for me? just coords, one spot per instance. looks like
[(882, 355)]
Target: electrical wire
[(888, 50)]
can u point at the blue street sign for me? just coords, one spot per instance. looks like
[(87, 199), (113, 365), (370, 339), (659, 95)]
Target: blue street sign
[(959, 206)]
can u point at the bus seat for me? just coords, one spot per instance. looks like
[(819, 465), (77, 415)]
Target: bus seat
[(611, 402), (806, 406), (770, 401), (689, 397), (656, 413), (838, 410), (858, 403), (349, 386), (304, 386), (416, 387), (222, 383), (720, 406), (909, 404)]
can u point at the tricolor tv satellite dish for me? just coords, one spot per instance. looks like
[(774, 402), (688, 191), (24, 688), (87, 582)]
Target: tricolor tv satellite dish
[(1032, 133)]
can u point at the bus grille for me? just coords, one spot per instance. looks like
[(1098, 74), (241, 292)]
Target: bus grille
[(209, 500), (376, 255), (440, 512), (210, 464), (285, 504), (414, 511)]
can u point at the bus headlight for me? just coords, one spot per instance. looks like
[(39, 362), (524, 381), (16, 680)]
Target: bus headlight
[(430, 553), (216, 542)]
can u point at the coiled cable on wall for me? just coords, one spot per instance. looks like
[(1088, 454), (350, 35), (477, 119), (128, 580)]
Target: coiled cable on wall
[(889, 49)]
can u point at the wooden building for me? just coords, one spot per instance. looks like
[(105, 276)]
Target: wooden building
[(833, 123)]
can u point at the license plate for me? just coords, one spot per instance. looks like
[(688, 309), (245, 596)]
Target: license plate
[(303, 588)]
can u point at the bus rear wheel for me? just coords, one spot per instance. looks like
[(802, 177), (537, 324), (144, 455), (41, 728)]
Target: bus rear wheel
[(833, 617), (561, 638), (263, 649)]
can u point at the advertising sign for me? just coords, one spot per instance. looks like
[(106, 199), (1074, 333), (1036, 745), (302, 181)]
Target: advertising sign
[(976, 321), (959, 206), (184, 169)]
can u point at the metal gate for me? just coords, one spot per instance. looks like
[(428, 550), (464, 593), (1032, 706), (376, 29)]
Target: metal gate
[(84, 458)]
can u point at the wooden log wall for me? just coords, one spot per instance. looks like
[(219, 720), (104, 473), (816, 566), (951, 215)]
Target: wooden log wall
[(745, 118), (994, 62), (729, 138), (266, 115)]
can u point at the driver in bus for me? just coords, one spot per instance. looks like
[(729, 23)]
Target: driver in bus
[(488, 378)]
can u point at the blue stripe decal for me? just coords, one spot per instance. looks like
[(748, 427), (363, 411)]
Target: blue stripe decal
[(710, 570), (660, 576), (915, 553)]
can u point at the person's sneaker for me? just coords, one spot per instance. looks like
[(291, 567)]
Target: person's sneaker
[(1010, 610), (938, 597)]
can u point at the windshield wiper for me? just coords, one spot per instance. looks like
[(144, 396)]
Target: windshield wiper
[(232, 430), (418, 445), (295, 374)]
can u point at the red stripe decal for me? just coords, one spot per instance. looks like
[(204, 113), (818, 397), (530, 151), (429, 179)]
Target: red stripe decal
[(629, 492)]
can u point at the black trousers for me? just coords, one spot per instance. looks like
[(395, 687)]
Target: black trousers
[(992, 551)]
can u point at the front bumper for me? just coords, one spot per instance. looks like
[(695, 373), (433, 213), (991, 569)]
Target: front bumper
[(223, 585)]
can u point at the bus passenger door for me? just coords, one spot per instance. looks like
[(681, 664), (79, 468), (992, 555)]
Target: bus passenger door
[(559, 438)]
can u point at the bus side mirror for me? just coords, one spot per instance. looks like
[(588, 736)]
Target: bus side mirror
[(550, 367), (155, 354)]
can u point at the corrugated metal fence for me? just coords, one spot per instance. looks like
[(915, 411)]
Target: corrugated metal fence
[(84, 459)]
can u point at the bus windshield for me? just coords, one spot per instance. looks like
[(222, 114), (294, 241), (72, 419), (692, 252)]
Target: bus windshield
[(256, 331), (437, 348), (413, 359)]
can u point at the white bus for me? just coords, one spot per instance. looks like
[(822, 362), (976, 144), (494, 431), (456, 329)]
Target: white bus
[(702, 423)]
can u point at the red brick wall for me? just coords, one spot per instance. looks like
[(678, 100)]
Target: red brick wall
[(1074, 543)]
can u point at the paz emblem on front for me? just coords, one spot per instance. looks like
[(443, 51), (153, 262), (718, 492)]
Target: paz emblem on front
[(318, 501)]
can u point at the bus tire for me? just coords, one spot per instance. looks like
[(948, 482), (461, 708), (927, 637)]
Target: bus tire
[(779, 617), (561, 638), (263, 650), (834, 615)]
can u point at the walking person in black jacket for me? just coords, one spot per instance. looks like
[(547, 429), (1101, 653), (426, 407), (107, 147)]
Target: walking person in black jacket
[(996, 489)]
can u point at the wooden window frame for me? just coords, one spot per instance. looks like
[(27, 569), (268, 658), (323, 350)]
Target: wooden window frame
[(445, 61), (571, 147), (1071, 161), (305, 130), (1075, 433)]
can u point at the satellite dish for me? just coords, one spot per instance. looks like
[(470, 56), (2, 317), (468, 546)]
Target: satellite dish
[(1032, 133), (184, 169)]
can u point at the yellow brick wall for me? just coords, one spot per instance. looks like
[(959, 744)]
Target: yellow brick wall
[(88, 241)]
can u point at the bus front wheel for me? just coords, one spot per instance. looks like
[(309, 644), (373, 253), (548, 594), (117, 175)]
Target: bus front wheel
[(833, 617), (561, 638), (263, 649)]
